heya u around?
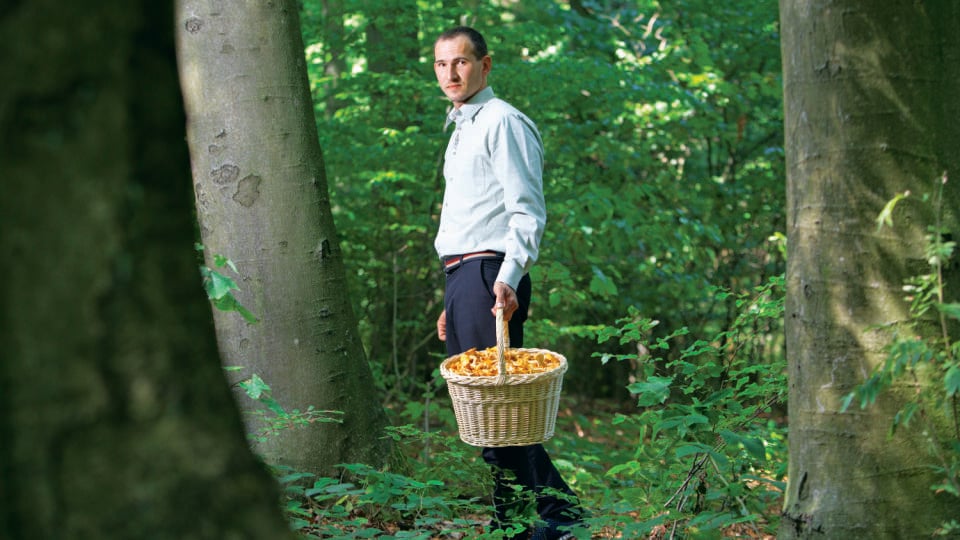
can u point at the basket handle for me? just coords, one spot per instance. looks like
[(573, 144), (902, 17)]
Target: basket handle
[(503, 343)]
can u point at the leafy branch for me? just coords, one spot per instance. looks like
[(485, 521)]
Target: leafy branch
[(220, 288), (275, 416)]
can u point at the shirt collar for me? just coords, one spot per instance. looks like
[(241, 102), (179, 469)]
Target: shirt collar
[(470, 109)]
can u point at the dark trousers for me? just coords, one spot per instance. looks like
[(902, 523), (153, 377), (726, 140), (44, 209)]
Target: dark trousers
[(468, 300)]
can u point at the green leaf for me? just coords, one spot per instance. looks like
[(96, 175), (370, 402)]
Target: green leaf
[(245, 313), (847, 399), (230, 303), (950, 310), (952, 380), (254, 386), (219, 285), (601, 284), (274, 405), (684, 421), (886, 215), (754, 447), (293, 477), (652, 391), (692, 448)]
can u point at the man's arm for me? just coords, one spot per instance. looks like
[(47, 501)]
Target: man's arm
[(517, 158)]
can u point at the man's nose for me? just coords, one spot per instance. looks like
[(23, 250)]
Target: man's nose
[(452, 74)]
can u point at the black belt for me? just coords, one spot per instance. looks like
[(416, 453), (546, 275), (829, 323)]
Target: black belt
[(454, 261)]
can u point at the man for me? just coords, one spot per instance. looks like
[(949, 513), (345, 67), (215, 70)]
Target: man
[(491, 224)]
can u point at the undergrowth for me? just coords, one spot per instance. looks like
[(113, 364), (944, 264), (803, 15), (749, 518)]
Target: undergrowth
[(698, 454)]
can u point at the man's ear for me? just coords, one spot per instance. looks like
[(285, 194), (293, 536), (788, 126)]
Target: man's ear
[(487, 64)]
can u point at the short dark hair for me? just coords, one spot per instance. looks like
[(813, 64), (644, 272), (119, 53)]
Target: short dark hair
[(476, 38)]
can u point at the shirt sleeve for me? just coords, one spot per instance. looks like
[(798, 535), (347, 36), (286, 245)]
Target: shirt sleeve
[(517, 156)]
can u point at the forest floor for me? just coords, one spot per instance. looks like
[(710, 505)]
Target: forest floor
[(585, 432)]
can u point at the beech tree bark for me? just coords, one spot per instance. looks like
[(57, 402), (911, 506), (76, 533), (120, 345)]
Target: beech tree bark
[(872, 97), (116, 420), (262, 201)]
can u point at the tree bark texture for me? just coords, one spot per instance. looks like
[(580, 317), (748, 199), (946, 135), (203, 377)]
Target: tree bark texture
[(116, 420), (872, 97), (262, 201)]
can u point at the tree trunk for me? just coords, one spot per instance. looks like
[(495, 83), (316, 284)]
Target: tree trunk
[(872, 95), (262, 201), (116, 420)]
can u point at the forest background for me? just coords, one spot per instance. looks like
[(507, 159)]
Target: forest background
[(661, 269), (664, 168), (664, 275), (664, 181)]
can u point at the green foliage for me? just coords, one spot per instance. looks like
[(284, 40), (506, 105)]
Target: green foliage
[(710, 451), (220, 288), (702, 454), (924, 350), (274, 417), (662, 125), (371, 503), (664, 170)]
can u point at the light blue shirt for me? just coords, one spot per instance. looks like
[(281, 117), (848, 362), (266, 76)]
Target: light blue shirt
[(493, 198)]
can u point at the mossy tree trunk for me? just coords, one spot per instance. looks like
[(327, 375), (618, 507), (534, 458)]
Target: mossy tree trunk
[(262, 201), (116, 420), (872, 97)]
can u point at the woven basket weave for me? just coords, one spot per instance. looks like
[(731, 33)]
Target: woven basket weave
[(506, 409)]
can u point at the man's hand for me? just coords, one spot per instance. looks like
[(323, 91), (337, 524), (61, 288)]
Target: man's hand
[(442, 326), (506, 298)]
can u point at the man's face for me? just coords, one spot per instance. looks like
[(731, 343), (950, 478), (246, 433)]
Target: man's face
[(460, 73)]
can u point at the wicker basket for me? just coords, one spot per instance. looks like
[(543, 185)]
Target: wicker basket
[(506, 409)]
